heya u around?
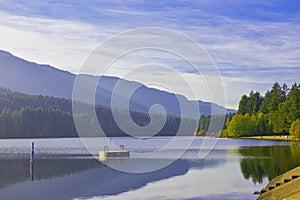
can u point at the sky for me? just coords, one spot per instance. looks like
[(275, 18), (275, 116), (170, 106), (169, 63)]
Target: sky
[(252, 43)]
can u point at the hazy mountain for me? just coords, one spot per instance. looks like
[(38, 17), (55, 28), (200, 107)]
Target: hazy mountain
[(32, 78)]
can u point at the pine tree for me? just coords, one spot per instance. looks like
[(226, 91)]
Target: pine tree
[(243, 105)]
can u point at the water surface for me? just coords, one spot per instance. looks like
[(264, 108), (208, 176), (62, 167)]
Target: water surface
[(64, 169)]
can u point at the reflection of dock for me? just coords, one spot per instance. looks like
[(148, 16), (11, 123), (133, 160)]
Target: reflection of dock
[(121, 153)]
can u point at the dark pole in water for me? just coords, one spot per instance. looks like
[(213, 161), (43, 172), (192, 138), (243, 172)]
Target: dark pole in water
[(32, 150), (31, 160)]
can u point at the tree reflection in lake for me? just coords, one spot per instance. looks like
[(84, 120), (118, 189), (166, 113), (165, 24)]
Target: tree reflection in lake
[(70, 178), (18, 170), (268, 161)]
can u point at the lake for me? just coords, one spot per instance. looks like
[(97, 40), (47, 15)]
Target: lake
[(64, 169)]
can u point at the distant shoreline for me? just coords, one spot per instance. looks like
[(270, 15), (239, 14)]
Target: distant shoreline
[(272, 137)]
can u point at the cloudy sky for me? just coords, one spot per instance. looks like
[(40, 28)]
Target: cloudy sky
[(253, 43)]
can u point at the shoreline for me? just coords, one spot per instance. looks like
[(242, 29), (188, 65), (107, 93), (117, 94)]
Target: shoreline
[(272, 137), (284, 186)]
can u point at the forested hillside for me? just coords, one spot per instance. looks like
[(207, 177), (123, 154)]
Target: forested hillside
[(15, 101), (278, 112), (27, 116)]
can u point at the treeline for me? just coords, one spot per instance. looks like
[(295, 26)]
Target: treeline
[(210, 125), (29, 116), (31, 122), (276, 113)]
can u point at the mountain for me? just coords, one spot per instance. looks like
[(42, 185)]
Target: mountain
[(32, 78)]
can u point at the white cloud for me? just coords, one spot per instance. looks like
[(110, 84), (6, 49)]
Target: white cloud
[(61, 43)]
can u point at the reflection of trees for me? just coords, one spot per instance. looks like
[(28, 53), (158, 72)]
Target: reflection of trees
[(17, 170), (100, 181), (268, 161)]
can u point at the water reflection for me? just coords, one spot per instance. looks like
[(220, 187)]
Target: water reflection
[(71, 178), (19, 170), (67, 172), (268, 161), (15, 170)]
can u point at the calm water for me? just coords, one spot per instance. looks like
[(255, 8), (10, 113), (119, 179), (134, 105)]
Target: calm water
[(64, 169)]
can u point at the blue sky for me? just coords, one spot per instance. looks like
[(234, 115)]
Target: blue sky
[(253, 43)]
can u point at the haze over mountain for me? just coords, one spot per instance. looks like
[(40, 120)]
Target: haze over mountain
[(32, 78)]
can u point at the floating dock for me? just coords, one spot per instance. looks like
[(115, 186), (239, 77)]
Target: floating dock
[(114, 154), (103, 155)]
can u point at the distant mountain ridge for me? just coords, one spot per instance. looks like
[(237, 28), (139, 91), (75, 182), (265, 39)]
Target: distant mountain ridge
[(32, 78)]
